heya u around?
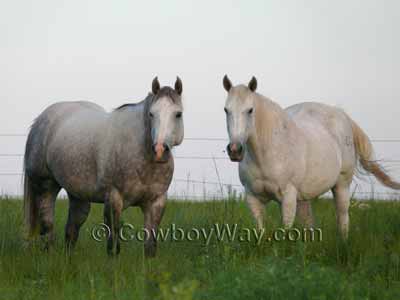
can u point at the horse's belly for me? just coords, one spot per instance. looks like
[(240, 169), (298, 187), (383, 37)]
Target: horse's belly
[(74, 171), (321, 175), (82, 187), (314, 189)]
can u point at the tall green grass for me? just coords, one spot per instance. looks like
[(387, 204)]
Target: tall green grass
[(366, 267)]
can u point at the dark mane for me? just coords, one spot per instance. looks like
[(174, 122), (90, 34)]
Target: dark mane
[(165, 91), (125, 105)]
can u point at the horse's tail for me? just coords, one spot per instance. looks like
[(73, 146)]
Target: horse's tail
[(31, 205), (365, 153)]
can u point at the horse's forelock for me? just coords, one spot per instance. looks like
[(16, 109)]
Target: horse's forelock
[(169, 92), (241, 91)]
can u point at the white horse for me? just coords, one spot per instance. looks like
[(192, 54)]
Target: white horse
[(295, 154)]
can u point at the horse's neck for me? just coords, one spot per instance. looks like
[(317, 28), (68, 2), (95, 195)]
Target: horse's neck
[(273, 128), (134, 120)]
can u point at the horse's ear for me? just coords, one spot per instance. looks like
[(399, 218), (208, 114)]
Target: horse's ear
[(178, 85), (227, 83), (155, 86), (253, 84)]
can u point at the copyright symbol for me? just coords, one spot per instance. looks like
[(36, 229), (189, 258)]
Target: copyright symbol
[(101, 232)]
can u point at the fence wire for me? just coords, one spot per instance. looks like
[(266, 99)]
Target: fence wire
[(216, 183)]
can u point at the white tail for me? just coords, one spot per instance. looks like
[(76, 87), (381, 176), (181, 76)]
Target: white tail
[(365, 153)]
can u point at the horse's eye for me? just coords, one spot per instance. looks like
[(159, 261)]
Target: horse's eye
[(250, 111), (151, 115), (179, 115), (226, 111)]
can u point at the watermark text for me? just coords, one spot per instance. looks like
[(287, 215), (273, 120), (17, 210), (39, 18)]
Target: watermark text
[(217, 232)]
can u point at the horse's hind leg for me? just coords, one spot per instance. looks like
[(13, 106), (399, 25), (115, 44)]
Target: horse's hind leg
[(304, 213), (341, 194), (77, 215), (288, 206), (46, 199)]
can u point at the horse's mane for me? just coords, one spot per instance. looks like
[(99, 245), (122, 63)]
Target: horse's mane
[(125, 106), (269, 116), (165, 91)]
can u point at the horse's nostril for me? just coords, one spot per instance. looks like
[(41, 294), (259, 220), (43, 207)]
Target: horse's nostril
[(166, 147), (239, 148), (235, 148)]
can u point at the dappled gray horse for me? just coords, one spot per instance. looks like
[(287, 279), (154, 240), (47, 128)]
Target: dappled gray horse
[(295, 154), (121, 159)]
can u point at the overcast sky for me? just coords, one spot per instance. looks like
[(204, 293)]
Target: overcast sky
[(344, 53)]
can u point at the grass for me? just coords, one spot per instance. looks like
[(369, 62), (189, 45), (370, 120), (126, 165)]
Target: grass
[(367, 267)]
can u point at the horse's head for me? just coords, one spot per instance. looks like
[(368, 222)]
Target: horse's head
[(165, 119), (239, 109)]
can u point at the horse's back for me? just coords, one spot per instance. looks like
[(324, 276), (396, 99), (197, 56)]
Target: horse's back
[(61, 131), (315, 111), (318, 117), (60, 111), (329, 137), (55, 115), (75, 119)]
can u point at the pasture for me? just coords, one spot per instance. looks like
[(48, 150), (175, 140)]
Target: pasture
[(367, 267)]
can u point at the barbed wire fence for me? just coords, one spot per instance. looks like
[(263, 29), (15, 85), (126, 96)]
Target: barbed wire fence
[(225, 189)]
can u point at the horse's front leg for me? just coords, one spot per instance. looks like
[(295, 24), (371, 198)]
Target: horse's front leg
[(153, 212), (288, 206), (112, 214), (257, 208)]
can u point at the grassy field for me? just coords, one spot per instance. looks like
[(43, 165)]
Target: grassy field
[(367, 267)]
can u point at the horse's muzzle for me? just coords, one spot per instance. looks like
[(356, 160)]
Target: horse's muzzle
[(235, 151), (161, 152)]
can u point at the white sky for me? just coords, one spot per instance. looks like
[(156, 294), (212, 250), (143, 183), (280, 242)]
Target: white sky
[(338, 52)]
